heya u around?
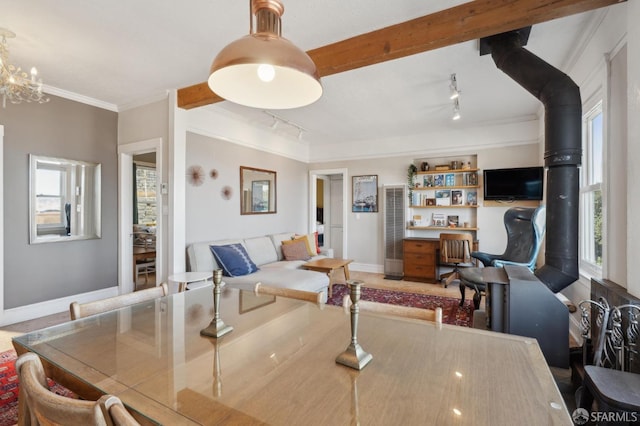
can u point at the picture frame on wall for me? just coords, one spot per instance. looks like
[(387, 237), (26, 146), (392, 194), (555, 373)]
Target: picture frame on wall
[(364, 194)]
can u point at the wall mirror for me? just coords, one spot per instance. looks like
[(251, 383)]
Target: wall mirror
[(64, 200), (258, 189)]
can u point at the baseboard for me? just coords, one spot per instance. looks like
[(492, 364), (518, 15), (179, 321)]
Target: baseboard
[(366, 267), (50, 307)]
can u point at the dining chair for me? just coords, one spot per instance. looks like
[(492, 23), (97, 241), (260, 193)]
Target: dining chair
[(433, 315), (455, 249), (309, 296), (81, 310), (38, 405), (608, 381)]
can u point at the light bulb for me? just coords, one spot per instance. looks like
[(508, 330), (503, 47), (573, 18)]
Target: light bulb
[(454, 93), (34, 71), (456, 115), (266, 72)]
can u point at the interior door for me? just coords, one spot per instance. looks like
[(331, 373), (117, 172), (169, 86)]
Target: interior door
[(336, 206)]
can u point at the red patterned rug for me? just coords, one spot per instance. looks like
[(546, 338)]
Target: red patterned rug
[(9, 389), (451, 312)]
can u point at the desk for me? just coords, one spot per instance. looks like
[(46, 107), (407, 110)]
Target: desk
[(278, 366)]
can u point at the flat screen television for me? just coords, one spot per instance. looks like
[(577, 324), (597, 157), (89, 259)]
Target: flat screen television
[(523, 183)]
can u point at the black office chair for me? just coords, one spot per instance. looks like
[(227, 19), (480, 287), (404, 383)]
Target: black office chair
[(525, 231)]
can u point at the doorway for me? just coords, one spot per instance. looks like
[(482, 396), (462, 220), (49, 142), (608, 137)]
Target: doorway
[(328, 213), (144, 150)]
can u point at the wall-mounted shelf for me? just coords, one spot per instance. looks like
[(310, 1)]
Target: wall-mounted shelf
[(441, 228), (445, 207)]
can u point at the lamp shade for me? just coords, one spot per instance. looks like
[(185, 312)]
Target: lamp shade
[(235, 73)]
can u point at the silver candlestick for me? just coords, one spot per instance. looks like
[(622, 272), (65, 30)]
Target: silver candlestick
[(217, 327), (354, 356)]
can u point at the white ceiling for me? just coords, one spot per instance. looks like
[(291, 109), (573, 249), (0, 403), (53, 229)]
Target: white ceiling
[(125, 52)]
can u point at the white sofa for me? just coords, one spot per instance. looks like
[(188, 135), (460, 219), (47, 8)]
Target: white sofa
[(266, 253)]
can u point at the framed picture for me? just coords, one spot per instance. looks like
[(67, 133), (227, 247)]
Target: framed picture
[(453, 221), (438, 180), (365, 194), (430, 201)]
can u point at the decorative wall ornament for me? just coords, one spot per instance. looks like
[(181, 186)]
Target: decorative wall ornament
[(213, 174), (227, 192), (195, 175)]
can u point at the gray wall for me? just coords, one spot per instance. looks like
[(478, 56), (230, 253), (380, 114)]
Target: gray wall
[(60, 128), (211, 217)]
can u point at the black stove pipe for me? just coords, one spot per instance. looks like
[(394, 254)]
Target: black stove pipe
[(563, 150)]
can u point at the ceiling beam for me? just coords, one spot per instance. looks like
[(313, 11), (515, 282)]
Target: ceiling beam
[(468, 21)]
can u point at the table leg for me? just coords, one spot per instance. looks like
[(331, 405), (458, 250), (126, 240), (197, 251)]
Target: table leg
[(330, 283), (346, 272)]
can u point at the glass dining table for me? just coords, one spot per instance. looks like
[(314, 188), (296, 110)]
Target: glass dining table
[(278, 366)]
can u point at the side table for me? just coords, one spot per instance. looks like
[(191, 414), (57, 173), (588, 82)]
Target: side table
[(185, 278)]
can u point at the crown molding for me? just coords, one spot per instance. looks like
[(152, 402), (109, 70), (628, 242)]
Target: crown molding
[(79, 98)]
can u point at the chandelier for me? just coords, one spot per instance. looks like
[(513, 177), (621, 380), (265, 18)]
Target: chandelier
[(15, 84)]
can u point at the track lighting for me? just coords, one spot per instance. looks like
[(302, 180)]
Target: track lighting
[(456, 110), (453, 87), (279, 120)]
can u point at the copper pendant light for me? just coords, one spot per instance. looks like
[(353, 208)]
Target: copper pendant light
[(263, 69)]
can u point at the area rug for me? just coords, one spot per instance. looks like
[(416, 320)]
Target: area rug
[(9, 389), (451, 312)]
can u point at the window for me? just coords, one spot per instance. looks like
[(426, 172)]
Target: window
[(50, 197), (591, 205)]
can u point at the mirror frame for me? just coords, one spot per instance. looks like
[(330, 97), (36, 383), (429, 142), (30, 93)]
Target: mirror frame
[(246, 204), (77, 190)]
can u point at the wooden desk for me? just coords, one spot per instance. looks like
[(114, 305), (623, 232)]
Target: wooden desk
[(420, 258), (278, 366)]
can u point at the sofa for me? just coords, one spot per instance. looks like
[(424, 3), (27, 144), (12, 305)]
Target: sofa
[(266, 252)]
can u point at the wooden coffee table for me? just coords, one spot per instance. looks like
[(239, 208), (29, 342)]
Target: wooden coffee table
[(328, 265)]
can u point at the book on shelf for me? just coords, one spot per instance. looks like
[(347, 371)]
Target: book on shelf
[(470, 179), (449, 179), (428, 181), (456, 198), (443, 197), (438, 219), (472, 198), (438, 180)]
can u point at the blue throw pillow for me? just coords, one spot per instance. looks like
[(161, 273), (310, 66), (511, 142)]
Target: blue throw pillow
[(233, 259)]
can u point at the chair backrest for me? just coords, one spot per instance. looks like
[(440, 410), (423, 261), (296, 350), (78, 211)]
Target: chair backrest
[(433, 315), (455, 248), (81, 310), (309, 296), (625, 332), (525, 231), (41, 406), (597, 347)]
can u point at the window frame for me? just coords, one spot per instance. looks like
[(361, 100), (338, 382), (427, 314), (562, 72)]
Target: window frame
[(590, 186)]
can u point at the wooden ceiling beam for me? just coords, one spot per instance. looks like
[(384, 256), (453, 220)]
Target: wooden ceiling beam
[(468, 21)]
